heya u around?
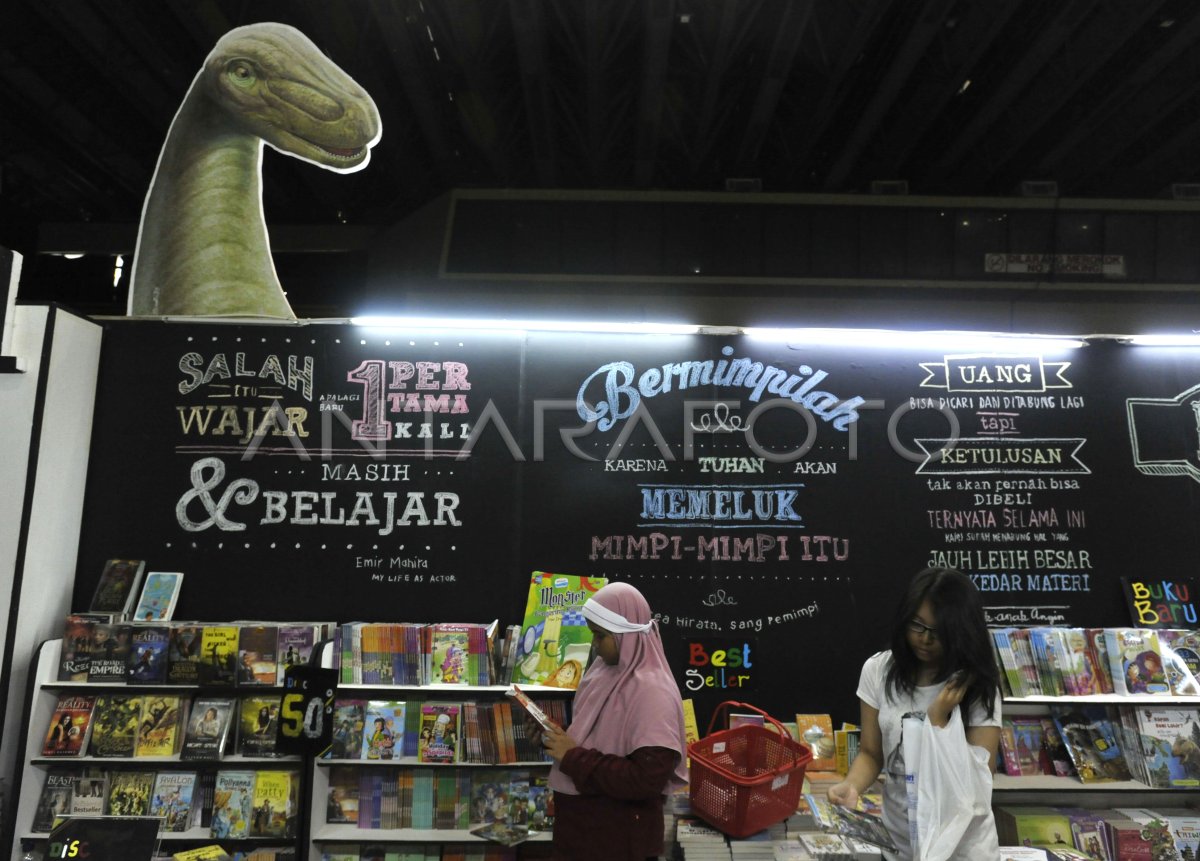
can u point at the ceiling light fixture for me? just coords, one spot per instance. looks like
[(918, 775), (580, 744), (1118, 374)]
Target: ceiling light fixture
[(456, 323), (940, 340)]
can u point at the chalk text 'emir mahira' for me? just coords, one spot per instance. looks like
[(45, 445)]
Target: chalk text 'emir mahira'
[(621, 397)]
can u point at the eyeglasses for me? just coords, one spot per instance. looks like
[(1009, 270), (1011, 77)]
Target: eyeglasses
[(921, 629)]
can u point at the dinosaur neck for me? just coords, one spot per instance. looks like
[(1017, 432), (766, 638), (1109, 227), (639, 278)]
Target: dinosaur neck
[(203, 247)]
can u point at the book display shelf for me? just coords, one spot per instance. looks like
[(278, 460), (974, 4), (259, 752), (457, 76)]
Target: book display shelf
[(1077, 734), (44, 693), (448, 785)]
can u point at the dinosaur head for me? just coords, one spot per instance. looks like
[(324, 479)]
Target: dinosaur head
[(271, 81)]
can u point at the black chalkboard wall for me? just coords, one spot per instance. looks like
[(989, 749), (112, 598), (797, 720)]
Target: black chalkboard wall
[(330, 472)]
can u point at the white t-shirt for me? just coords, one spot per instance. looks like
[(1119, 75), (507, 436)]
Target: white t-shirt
[(872, 690)]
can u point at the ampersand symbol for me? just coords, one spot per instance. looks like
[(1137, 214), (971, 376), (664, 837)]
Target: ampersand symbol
[(243, 491)]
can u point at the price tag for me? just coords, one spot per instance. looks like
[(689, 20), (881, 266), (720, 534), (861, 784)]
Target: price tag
[(780, 781), (719, 747), (306, 710)]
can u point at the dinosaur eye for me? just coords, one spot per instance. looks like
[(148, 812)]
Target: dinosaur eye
[(241, 73)]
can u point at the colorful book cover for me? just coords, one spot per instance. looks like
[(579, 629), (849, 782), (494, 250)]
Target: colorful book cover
[(257, 655), (1092, 742), (109, 652), (555, 640), (1136, 661), (1027, 754), (172, 799), (233, 804), (184, 654), (349, 720), (70, 725), (816, 732), (159, 594), (219, 655), (207, 728), (129, 793), (115, 722), (257, 725), (271, 810), (450, 646), (55, 799), (91, 793), (147, 663), (1056, 749), (159, 732), (295, 645), (118, 587), (438, 736), (1181, 660), (383, 729), (1170, 741), (76, 649)]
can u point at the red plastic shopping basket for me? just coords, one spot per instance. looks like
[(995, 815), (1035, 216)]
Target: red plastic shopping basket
[(746, 778)]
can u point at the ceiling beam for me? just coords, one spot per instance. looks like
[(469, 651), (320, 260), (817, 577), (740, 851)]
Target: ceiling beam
[(1131, 87), (736, 23), (922, 32), (1105, 32), (529, 31), (659, 21), (778, 69)]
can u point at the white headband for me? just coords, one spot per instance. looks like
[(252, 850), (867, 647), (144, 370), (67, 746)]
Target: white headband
[(611, 621)]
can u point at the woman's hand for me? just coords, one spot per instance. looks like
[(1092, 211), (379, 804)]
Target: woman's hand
[(557, 743), (948, 699), (844, 794)]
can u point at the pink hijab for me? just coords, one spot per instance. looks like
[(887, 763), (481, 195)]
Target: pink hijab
[(634, 703)]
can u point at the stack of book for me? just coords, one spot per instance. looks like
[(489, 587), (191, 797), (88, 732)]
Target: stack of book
[(1122, 832), (1058, 661)]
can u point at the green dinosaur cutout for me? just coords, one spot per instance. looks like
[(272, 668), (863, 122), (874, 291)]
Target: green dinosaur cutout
[(202, 245)]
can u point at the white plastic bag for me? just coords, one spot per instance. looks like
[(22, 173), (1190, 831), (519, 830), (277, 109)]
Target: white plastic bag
[(950, 793)]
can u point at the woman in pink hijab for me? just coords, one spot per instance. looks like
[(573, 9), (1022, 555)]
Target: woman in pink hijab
[(625, 746)]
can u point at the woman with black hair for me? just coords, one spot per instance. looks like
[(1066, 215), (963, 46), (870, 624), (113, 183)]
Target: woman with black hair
[(940, 659)]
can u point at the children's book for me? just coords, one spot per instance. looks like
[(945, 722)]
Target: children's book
[(816, 732), (172, 799), (109, 652), (159, 732), (535, 711), (129, 793), (438, 737), (259, 719), (159, 595), (257, 655), (1092, 742), (1136, 661), (1170, 740), (383, 729), (70, 725), (1022, 741), (1161, 602), (208, 728), (55, 800), (271, 810), (349, 719), (1181, 660), (218, 655), (118, 587), (555, 639), (233, 803), (115, 722), (147, 662), (184, 654), (850, 823), (91, 793), (450, 648)]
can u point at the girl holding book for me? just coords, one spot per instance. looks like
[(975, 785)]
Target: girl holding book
[(940, 660), (625, 747)]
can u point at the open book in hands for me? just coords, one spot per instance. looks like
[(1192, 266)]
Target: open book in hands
[(531, 707), (849, 822)]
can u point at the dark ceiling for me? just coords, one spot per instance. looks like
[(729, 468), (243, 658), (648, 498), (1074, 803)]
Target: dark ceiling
[(956, 97)]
